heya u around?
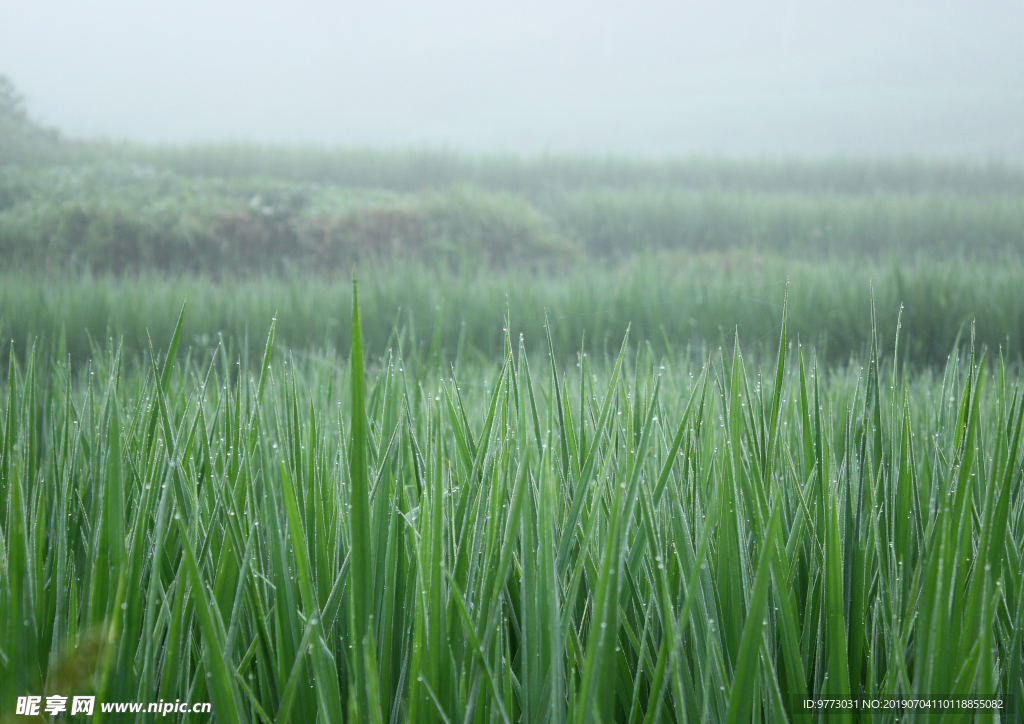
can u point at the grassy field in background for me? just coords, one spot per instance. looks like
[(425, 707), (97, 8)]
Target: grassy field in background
[(550, 214), (640, 539), (677, 304), (414, 170)]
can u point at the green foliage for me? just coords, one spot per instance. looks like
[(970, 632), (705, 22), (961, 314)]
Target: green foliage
[(641, 540), (243, 209), (679, 304), (134, 219), (129, 218), (616, 223), (418, 170)]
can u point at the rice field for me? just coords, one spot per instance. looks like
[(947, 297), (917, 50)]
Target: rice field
[(684, 307), (642, 537)]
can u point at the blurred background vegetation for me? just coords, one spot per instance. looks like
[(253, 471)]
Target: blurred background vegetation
[(99, 238)]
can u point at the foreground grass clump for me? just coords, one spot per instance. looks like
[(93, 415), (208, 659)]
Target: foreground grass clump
[(637, 543)]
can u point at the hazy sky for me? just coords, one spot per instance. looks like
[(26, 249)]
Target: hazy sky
[(736, 76)]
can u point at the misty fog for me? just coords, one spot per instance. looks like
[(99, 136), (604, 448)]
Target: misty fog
[(783, 76)]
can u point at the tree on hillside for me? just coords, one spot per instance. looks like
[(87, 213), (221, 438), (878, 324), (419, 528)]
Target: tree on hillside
[(12, 105), (22, 140)]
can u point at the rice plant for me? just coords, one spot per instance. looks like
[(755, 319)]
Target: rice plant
[(639, 541)]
